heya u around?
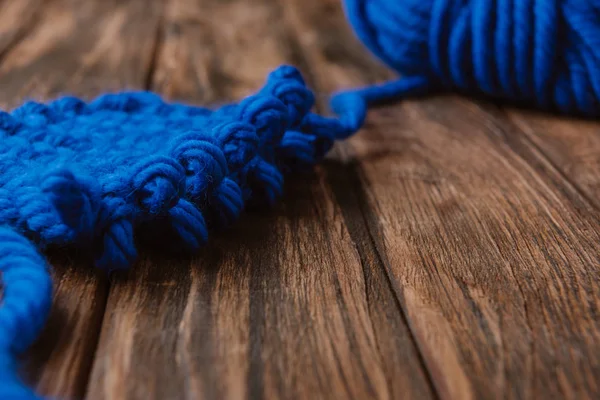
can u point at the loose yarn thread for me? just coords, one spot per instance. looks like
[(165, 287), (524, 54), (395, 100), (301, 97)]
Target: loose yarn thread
[(129, 160)]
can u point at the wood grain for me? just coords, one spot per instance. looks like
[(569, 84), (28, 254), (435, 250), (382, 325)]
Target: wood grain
[(59, 363), (16, 19), (572, 147), (449, 250), (81, 48), (493, 260), (220, 50), (282, 305)]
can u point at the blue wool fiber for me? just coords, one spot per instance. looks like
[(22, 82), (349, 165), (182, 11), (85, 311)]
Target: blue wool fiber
[(538, 53), (89, 174)]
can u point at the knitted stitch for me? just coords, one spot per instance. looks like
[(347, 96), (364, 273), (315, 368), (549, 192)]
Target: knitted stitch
[(88, 175)]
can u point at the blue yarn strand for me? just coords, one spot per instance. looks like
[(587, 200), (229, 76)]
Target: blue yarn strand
[(92, 175), (26, 299)]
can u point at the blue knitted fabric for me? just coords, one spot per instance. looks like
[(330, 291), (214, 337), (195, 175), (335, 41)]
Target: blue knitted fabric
[(538, 53), (89, 175)]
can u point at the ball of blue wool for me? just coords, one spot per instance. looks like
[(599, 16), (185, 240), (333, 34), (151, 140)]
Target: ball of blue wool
[(540, 53)]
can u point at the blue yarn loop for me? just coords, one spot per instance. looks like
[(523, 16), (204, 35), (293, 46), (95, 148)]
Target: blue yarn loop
[(90, 174), (539, 53)]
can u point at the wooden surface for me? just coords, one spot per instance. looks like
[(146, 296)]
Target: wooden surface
[(450, 250)]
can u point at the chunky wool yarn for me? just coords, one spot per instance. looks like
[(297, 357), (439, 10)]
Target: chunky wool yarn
[(539, 53), (89, 174)]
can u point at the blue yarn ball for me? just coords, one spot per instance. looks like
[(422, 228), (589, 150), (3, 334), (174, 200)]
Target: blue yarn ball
[(540, 53), (130, 160)]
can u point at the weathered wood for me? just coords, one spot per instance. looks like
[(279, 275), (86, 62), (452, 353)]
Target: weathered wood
[(215, 51), (319, 36), (490, 255), (59, 363), (402, 363), (16, 19), (450, 250), (280, 306), (81, 48), (573, 147)]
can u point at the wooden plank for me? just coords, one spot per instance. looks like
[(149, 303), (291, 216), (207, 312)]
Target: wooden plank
[(230, 55), (16, 18), (490, 254), (402, 363), (573, 147), (279, 306), (81, 48), (59, 363)]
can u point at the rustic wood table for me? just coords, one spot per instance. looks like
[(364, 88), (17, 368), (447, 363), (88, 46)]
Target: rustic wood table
[(450, 250)]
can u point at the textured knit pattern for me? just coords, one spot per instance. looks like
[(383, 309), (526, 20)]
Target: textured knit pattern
[(539, 53), (89, 175)]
